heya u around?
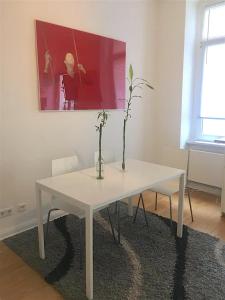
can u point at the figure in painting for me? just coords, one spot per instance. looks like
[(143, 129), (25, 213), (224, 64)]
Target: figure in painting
[(69, 62), (48, 60), (71, 81)]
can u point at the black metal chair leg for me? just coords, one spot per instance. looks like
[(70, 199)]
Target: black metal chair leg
[(156, 200), (189, 199), (81, 244), (143, 205), (48, 221), (110, 221), (135, 216), (171, 216)]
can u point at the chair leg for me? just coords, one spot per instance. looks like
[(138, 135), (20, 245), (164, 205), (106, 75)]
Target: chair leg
[(143, 205), (171, 217), (189, 199), (137, 209), (48, 222), (81, 244), (156, 200), (110, 221)]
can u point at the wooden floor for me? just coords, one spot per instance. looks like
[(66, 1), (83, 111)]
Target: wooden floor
[(19, 282)]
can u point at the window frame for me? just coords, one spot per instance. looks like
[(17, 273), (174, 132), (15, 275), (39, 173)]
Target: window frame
[(201, 46)]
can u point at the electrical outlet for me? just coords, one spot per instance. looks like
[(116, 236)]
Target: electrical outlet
[(21, 207), (2, 213), (6, 212), (9, 211)]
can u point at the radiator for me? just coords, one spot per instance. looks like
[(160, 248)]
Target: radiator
[(206, 167)]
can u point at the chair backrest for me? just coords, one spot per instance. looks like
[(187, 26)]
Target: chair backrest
[(64, 165), (108, 156)]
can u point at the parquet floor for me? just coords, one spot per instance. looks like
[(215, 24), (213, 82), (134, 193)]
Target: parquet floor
[(19, 282)]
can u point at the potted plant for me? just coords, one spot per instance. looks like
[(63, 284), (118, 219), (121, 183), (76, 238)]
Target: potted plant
[(102, 119), (134, 84)]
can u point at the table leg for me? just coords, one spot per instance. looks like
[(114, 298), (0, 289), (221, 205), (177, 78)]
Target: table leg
[(180, 206), (40, 223), (130, 206), (89, 252)]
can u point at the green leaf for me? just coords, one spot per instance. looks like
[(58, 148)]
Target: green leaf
[(102, 119), (149, 86), (131, 73)]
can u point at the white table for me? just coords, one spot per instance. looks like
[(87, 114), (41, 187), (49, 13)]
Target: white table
[(84, 191)]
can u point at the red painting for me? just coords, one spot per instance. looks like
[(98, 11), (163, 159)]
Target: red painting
[(79, 70)]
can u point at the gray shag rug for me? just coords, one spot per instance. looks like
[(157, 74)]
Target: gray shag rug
[(151, 263)]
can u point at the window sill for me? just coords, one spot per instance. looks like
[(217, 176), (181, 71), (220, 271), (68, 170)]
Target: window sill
[(206, 146)]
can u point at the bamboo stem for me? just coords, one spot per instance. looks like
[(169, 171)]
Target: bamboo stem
[(100, 153), (124, 126), (124, 143)]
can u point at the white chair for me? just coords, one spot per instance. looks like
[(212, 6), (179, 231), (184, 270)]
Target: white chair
[(169, 188), (59, 167)]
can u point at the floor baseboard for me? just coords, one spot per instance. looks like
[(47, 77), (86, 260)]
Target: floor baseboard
[(13, 230)]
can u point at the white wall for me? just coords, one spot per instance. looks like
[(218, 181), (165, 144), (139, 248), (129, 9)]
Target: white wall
[(32, 138), (170, 50), (148, 110), (174, 85), (175, 56), (1, 95), (189, 63)]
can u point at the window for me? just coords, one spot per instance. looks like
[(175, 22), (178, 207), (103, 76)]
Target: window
[(211, 93)]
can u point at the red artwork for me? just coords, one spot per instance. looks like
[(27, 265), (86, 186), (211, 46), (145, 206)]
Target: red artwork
[(79, 70)]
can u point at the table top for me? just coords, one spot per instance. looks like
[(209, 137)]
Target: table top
[(84, 189)]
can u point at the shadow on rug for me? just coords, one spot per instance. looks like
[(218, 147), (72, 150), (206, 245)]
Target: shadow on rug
[(151, 263)]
